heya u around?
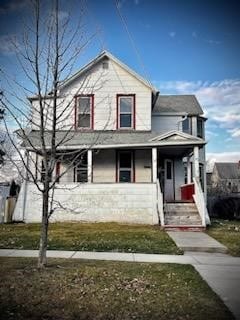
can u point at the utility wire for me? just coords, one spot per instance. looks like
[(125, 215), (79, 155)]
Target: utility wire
[(132, 42)]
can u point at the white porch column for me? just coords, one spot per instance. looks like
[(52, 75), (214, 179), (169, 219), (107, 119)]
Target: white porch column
[(89, 164), (196, 161), (189, 171), (154, 165)]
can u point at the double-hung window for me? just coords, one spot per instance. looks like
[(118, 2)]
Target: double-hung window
[(125, 166), (81, 169), (84, 112), (126, 111), (200, 126), (187, 125)]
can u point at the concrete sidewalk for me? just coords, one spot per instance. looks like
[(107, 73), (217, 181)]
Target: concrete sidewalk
[(196, 241), (220, 271)]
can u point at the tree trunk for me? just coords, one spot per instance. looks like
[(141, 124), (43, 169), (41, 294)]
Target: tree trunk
[(42, 258)]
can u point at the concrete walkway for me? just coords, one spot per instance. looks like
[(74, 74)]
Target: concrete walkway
[(220, 271), (196, 241)]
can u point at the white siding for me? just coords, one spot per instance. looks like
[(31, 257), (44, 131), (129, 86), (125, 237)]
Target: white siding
[(163, 124), (104, 166), (143, 165), (105, 84)]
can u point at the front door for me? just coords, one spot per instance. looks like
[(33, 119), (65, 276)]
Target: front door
[(168, 180)]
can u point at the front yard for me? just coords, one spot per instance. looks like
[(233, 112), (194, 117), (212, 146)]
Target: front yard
[(90, 237), (75, 289), (228, 233)]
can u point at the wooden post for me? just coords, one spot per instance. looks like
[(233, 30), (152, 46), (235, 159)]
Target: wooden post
[(189, 171), (196, 162), (89, 159), (154, 165)]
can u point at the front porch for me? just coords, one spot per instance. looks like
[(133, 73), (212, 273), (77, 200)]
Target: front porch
[(126, 182)]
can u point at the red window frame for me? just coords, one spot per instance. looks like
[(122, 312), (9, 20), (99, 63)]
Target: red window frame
[(58, 166), (118, 152), (91, 96), (133, 126)]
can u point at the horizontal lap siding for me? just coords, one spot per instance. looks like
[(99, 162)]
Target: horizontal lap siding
[(105, 85)]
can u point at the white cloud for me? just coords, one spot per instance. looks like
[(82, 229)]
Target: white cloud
[(194, 34), (9, 44), (13, 5), (235, 132), (211, 41), (221, 157), (172, 34), (220, 100)]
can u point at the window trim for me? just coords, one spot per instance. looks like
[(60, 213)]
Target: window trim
[(133, 177), (133, 124), (91, 127), (77, 167), (202, 133), (189, 119)]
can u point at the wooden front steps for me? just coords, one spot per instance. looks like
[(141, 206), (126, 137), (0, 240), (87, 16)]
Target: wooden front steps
[(182, 216)]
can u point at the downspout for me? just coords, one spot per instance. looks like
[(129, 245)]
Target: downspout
[(183, 119), (25, 189)]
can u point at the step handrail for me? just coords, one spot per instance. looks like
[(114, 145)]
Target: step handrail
[(200, 202), (160, 203)]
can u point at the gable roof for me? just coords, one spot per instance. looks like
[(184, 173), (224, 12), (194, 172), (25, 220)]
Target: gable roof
[(186, 104), (106, 55), (228, 170), (175, 135)]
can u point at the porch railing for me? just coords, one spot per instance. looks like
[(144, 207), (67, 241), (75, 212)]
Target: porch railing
[(160, 204), (200, 202)]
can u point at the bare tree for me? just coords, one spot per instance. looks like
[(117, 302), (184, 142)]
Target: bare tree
[(48, 52)]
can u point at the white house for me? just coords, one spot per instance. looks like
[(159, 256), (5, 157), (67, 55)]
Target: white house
[(145, 159)]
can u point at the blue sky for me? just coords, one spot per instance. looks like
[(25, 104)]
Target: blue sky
[(186, 47)]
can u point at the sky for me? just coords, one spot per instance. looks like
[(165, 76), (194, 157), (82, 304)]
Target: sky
[(180, 46)]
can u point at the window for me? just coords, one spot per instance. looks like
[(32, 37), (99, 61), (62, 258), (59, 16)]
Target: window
[(43, 172), (169, 170), (125, 166), (126, 111), (84, 112), (200, 123), (187, 125), (81, 169)]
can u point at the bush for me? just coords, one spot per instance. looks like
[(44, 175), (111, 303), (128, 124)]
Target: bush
[(227, 208)]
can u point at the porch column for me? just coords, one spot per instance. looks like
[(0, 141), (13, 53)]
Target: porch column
[(196, 162), (89, 164), (189, 171), (154, 165)]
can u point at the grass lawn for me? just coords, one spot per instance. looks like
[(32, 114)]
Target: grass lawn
[(228, 233), (90, 237), (75, 289)]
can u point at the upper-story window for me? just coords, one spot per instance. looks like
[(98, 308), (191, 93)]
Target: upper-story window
[(200, 125), (84, 112), (126, 111), (187, 125)]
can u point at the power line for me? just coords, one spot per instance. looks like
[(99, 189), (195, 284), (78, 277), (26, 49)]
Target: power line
[(133, 43)]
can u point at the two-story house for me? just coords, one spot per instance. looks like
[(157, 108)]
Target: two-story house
[(145, 158)]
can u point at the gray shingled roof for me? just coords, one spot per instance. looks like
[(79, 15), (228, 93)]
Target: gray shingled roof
[(103, 138), (228, 170), (178, 104)]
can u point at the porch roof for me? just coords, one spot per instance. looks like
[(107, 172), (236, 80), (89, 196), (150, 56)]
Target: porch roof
[(113, 139)]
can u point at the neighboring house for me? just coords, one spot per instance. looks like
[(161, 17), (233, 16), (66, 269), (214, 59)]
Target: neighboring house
[(225, 178), (146, 152)]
